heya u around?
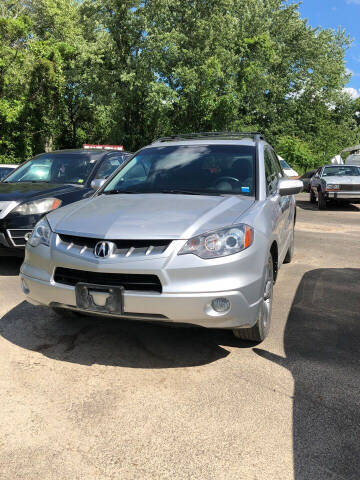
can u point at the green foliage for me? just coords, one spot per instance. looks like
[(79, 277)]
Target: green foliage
[(127, 71), (297, 153)]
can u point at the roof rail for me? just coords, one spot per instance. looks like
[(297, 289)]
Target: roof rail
[(189, 136)]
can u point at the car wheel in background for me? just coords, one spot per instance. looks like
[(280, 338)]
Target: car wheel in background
[(259, 331), (321, 201), (290, 253)]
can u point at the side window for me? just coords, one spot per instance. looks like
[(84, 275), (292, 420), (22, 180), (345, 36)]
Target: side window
[(277, 165), (271, 173), (109, 166)]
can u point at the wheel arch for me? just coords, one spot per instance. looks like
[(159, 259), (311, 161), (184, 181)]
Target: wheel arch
[(275, 256)]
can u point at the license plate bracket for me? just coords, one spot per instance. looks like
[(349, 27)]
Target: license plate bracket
[(114, 303)]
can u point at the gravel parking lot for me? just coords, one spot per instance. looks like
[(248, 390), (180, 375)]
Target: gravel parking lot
[(97, 399)]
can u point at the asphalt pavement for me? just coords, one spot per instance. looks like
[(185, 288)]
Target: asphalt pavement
[(83, 398)]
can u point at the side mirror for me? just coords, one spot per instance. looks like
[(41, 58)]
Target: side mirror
[(97, 183), (288, 186)]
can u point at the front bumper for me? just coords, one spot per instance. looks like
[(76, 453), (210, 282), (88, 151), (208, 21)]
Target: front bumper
[(352, 197), (189, 284), (193, 309)]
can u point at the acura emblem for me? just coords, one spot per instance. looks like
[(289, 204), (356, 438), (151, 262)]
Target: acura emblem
[(104, 249)]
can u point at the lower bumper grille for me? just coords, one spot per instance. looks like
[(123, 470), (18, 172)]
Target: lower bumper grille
[(349, 188), (138, 282)]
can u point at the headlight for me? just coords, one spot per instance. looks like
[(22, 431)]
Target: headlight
[(41, 234), (331, 186), (220, 243), (38, 206)]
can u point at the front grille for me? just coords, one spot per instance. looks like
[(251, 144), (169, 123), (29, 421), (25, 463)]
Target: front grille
[(130, 281), (350, 188), (124, 248), (17, 236)]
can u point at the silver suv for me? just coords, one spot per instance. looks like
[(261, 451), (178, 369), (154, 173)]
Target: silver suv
[(192, 229)]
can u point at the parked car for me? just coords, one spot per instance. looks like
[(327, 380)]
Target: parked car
[(335, 183), (193, 229), (45, 183), (6, 169), (306, 177), (289, 172)]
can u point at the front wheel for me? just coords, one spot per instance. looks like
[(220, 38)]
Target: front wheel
[(259, 331), (321, 201)]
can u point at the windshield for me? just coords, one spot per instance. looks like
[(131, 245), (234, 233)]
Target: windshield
[(55, 168), (341, 171), (196, 169), (285, 165)]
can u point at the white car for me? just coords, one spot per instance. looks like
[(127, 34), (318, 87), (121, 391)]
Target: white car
[(289, 172)]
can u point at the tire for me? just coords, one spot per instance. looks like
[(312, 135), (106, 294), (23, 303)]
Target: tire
[(260, 330), (290, 253), (321, 201), (312, 197)]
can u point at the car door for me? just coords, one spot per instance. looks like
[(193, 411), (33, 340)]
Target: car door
[(280, 205)]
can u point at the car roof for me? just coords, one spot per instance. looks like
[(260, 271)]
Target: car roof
[(225, 141), (89, 152), (7, 165)]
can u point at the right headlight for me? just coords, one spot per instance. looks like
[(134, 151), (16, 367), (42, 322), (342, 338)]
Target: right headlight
[(41, 234), (220, 243)]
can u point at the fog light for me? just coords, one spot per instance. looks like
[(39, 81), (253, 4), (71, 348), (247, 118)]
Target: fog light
[(221, 305), (24, 287)]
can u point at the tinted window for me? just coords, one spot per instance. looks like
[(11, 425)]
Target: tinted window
[(194, 168), (53, 168), (109, 166)]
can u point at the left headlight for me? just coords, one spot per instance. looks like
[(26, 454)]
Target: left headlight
[(220, 243), (41, 234), (38, 206)]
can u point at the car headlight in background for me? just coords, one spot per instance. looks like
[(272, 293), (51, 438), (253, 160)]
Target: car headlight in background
[(37, 207), (220, 243), (331, 186), (41, 234)]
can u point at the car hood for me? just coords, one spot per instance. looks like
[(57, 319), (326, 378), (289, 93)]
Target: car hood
[(144, 216), (343, 180), (22, 191)]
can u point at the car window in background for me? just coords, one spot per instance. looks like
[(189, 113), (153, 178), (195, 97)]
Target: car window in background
[(285, 165), (342, 171), (5, 171), (55, 169), (109, 166), (196, 168)]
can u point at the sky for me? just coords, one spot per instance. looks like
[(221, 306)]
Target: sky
[(335, 13)]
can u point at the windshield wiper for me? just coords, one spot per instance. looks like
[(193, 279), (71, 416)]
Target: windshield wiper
[(188, 192), (116, 192)]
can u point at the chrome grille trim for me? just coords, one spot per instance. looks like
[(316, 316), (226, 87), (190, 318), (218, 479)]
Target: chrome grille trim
[(84, 246), (17, 236)]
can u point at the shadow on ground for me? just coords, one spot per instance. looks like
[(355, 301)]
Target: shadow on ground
[(10, 266), (322, 345), (91, 340), (332, 206)]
